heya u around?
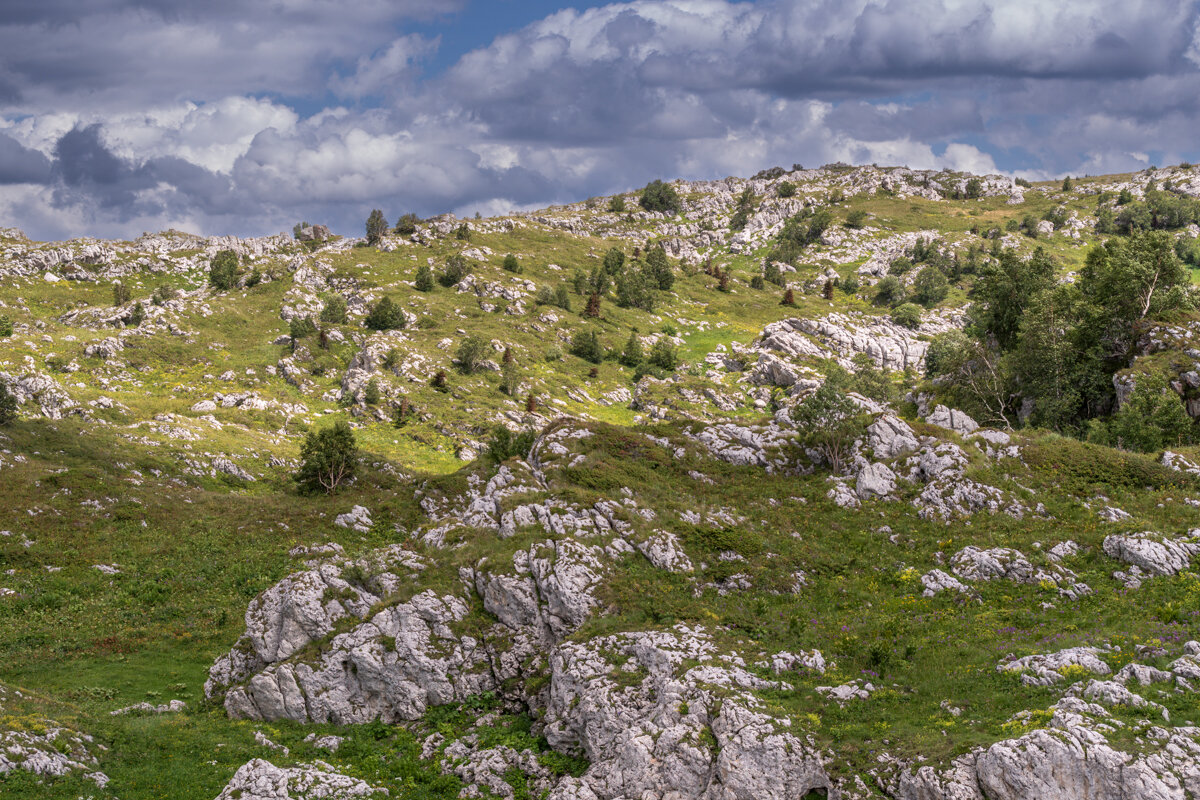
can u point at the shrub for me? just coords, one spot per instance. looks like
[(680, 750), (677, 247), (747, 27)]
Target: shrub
[(614, 261), (616, 204), (1066, 184), (8, 405), (371, 393), (889, 292), (849, 284), (505, 444), (757, 282), (658, 269), (300, 327), (974, 189), (828, 421), (6, 327), (423, 282), (391, 359), (407, 225), (554, 354), (930, 287), (163, 294), (900, 266), (659, 196), (907, 314), (632, 355), (1023, 183), (510, 378), (384, 316), (856, 218), (511, 263), (593, 306), (562, 297), (377, 226), (457, 268), (789, 298), (121, 294), (634, 290), (222, 271), (438, 381), (663, 355), (586, 345), (1152, 418), (786, 189), (329, 459), (138, 315), (472, 352), (463, 233), (402, 413), (334, 310)]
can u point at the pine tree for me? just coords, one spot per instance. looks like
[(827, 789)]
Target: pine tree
[(377, 227)]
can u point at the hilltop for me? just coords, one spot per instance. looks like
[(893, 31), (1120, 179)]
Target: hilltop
[(846, 482)]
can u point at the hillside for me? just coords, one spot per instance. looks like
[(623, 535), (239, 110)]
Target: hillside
[(680, 575)]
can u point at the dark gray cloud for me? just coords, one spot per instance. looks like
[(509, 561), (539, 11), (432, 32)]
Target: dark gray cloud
[(122, 113)]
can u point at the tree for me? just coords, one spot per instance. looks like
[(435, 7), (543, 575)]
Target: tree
[(758, 283), (663, 355), (593, 305), (974, 189), (798, 233), (457, 268), (786, 189), (402, 413), (930, 287), (1152, 418), (472, 352), (632, 355), (827, 290), (334, 310), (6, 327), (329, 459), (562, 297), (423, 282), (8, 405), (789, 298), (505, 444), (138, 315), (586, 345), (438, 381), (407, 225), (856, 219), (299, 327), (384, 316), (616, 204), (1004, 290), (377, 227), (121, 294), (222, 271), (745, 207), (511, 263), (828, 421), (371, 392), (510, 378), (614, 260), (1066, 184), (889, 291), (907, 314), (658, 269), (659, 196), (463, 232), (634, 290)]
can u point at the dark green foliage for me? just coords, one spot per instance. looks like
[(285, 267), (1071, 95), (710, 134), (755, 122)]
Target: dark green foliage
[(254, 278), (856, 218), (384, 316), (371, 393), (745, 207), (423, 282), (586, 345), (377, 226), (121, 294), (510, 378), (1067, 185), (329, 459), (391, 359), (616, 204), (772, 273), (974, 189), (505, 444), (463, 232), (634, 290), (632, 355), (334, 310), (614, 260), (472, 352), (659, 196), (907, 314), (406, 225), (849, 284), (871, 381), (511, 264), (758, 283), (1160, 210), (900, 266), (798, 233), (658, 269), (1152, 418), (456, 269), (786, 189), (222, 271), (930, 287), (562, 297), (1003, 292), (6, 327), (8, 405), (828, 421), (138, 315), (300, 327), (889, 291), (163, 294), (1106, 220), (1023, 183), (438, 381), (1125, 197), (663, 355), (299, 226)]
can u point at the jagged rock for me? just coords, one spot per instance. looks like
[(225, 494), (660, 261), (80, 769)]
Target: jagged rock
[(1045, 669), (262, 780), (172, 707), (952, 419), (875, 480), (1152, 552), (891, 437), (936, 581), (358, 518)]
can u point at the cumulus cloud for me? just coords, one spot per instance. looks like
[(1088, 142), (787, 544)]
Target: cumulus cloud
[(129, 111)]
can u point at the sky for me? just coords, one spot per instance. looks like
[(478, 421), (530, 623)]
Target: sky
[(244, 117)]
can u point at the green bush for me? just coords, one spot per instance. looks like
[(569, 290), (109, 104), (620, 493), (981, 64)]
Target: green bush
[(6, 327), (505, 444), (121, 294), (472, 352), (8, 405), (423, 282), (663, 355), (1151, 419), (511, 264), (586, 345), (222, 271), (384, 316), (856, 219), (786, 189), (334, 310), (632, 355), (614, 260), (616, 204), (300, 327), (889, 292), (329, 459), (407, 225), (658, 269), (659, 196), (930, 287), (457, 268), (371, 392), (907, 314)]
